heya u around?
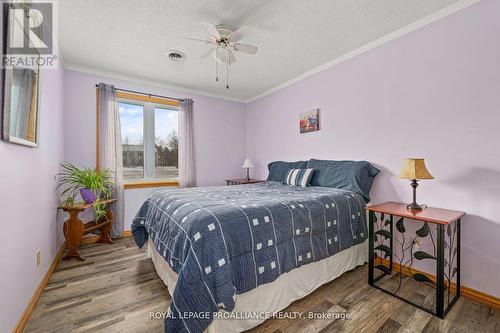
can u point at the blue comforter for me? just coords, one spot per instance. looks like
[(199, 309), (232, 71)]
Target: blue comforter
[(227, 240)]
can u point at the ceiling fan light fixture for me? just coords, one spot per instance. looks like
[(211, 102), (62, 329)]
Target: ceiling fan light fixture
[(223, 30), (222, 56), (224, 42)]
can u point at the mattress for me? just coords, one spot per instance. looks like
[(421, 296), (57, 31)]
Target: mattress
[(277, 295), (224, 241)]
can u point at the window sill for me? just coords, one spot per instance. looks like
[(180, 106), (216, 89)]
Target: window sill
[(150, 184)]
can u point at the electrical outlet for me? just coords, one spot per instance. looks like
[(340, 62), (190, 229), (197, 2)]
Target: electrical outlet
[(38, 257)]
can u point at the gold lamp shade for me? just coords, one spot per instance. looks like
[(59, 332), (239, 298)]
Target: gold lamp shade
[(414, 168)]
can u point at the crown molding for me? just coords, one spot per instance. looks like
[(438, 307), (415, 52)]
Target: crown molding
[(155, 83), (459, 5), (60, 58)]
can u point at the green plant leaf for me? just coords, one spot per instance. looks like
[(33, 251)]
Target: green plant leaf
[(384, 233), (400, 225), (448, 230), (420, 255), (384, 248), (422, 278), (382, 215), (99, 210), (424, 231), (384, 269), (72, 179), (387, 222)]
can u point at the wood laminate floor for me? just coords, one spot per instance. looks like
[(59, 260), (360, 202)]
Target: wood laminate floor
[(117, 287)]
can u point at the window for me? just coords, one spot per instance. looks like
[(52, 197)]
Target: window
[(149, 134), (132, 127), (166, 144)]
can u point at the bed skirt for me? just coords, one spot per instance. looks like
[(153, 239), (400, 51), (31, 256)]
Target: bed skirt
[(277, 295)]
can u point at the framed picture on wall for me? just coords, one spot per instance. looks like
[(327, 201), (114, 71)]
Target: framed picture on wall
[(309, 121)]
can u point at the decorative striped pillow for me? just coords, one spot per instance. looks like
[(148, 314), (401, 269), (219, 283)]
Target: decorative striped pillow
[(298, 177)]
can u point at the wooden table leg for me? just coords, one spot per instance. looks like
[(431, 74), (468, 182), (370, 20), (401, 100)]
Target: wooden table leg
[(73, 232), (105, 238)]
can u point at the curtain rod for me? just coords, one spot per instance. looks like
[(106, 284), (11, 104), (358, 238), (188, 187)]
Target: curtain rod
[(147, 94)]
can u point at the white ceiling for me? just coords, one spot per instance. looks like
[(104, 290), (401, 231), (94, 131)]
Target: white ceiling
[(130, 37)]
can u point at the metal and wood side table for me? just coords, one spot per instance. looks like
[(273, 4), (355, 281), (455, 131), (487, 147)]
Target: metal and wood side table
[(74, 228), (389, 239)]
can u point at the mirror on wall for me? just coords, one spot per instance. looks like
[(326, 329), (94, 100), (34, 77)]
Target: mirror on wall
[(20, 107), (20, 103)]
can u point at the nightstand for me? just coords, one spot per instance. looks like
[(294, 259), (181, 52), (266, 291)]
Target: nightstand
[(389, 239), (243, 181)]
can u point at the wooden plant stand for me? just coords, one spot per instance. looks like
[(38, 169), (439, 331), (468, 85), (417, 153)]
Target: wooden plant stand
[(74, 228)]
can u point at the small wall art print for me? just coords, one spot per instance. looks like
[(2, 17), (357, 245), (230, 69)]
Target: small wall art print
[(309, 121)]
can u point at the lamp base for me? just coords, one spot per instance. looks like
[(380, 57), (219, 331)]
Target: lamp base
[(415, 206)]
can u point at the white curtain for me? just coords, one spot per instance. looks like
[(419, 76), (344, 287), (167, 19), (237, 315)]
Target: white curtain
[(187, 170), (110, 149)]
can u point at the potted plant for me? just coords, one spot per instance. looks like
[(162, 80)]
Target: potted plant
[(89, 183), (99, 211)]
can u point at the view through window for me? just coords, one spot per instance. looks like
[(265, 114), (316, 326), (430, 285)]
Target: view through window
[(166, 144), (149, 142)]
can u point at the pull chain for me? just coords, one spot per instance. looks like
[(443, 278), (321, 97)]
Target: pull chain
[(227, 68), (217, 64)]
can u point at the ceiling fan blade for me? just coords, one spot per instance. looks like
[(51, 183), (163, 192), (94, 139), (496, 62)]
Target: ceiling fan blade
[(207, 53), (239, 34), (211, 29), (245, 48), (200, 40), (231, 58)]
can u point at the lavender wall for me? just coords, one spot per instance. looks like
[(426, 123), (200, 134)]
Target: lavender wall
[(432, 93), (219, 132), (28, 202)]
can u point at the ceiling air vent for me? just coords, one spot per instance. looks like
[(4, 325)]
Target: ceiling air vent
[(176, 56)]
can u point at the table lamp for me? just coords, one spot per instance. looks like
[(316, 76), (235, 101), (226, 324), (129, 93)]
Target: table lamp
[(248, 164), (414, 169)]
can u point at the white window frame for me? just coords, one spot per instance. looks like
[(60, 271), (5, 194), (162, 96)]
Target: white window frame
[(148, 131)]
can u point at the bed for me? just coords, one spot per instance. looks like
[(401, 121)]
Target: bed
[(248, 248)]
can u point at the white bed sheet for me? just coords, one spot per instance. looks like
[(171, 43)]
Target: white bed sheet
[(280, 293)]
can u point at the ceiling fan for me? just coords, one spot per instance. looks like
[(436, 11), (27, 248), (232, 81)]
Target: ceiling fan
[(223, 42)]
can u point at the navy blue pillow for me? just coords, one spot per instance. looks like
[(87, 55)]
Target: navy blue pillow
[(279, 169), (355, 176)]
